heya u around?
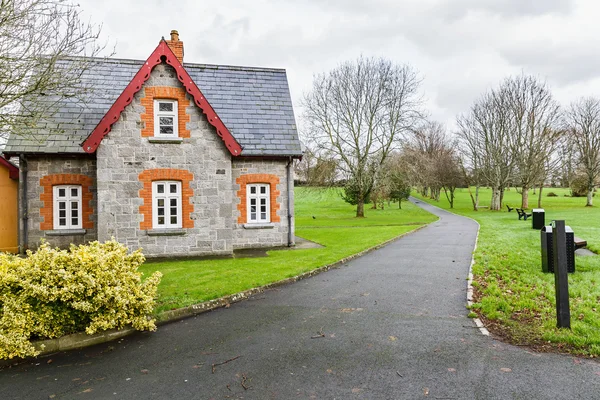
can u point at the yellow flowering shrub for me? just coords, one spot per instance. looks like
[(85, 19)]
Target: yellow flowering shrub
[(54, 292)]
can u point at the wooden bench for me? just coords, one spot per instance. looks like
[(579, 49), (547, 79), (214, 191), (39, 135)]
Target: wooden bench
[(509, 208), (579, 243), (523, 214)]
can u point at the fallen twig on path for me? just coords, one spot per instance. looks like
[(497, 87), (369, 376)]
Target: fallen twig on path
[(224, 362), (243, 383), (320, 335), (399, 374)]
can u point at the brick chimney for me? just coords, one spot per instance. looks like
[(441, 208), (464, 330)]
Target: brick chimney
[(176, 45)]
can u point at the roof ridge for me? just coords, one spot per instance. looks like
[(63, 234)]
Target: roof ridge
[(116, 60)]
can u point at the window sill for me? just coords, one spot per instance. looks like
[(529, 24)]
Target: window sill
[(176, 140), (66, 232), (259, 226), (166, 232)]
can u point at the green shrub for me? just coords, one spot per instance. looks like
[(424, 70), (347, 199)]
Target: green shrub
[(552, 194), (56, 292)]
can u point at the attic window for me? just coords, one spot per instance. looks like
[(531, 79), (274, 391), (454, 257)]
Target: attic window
[(165, 118)]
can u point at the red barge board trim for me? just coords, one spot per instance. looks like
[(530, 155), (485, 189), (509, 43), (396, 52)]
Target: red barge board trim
[(162, 50)]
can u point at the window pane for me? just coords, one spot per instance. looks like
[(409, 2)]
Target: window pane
[(263, 189), (161, 211), (252, 208), (62, 205), (174, 219), (263, 208), (252, 189), (166, 130), (173, 211), (161, 202), (263, 201), (62, 192), (253, 216), (160, 188), (74, 221), (161, 220), (74, 192), (74, 213), (62, 213), (252, 202), (62, 221), (74, 205), (173, 202), (173, 188), (165, 106), (263, 216)]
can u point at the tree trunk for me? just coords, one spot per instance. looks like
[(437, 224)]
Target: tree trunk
[(476, 197), (540, 196), (360, 209), (472, 198), (400, 204), (501, 198), (590, 195), (525, 197), (495, 204)]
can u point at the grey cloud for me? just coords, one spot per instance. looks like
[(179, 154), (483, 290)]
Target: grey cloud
[(458, 9)]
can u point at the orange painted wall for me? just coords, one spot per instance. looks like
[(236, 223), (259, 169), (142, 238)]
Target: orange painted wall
[(8, 212)]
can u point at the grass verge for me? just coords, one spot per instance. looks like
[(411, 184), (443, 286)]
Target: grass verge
[(321, 216), (512, 294)]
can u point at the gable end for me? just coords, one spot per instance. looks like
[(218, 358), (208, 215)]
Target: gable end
[(162, 51)]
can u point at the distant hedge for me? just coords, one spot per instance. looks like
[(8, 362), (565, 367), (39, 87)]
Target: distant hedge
[(53, 292)]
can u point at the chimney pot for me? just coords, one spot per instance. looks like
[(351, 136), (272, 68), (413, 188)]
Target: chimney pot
[(174, 36)]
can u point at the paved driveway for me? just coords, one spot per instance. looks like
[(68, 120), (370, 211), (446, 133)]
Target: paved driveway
[(393, 326)]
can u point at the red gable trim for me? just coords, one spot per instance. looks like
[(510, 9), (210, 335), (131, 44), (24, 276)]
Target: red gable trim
[(162, 50), (13, 171)]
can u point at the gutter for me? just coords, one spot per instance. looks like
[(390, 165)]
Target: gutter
[(23, 203), (290, 193)]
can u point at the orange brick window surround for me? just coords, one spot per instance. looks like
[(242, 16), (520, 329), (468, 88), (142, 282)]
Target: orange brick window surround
[(87, 194), (167, 93), (244, 180), (166, 174)]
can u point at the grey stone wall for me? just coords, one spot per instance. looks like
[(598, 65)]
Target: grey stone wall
[(38, 167), (124, 153), (278, 234)]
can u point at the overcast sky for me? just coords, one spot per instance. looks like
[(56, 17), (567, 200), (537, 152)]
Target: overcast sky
[(461, 47)]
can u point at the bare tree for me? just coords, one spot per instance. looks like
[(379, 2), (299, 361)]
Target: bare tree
[(36, 36), (358, 111), (471, 150), (535, 131), (489, 130), (583, 121)]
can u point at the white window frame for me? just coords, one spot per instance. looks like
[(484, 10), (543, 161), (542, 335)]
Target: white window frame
[(173, 114), (69, 200), (166, 196), (257, 196)]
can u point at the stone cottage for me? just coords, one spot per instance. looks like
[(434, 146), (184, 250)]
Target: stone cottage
[(178, 159)]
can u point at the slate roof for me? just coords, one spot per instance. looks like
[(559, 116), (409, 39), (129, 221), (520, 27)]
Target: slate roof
[(254, 104)]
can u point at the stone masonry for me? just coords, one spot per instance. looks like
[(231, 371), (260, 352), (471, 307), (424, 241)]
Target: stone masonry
[(124, 154), (45, 166)]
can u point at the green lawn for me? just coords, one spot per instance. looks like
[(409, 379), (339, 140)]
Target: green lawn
[(334, 226), (515, 296)]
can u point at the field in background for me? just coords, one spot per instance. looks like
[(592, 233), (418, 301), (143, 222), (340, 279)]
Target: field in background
[(321, 216), (515, 297)]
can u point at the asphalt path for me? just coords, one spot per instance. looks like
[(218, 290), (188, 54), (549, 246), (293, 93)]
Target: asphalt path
[(389, 325)]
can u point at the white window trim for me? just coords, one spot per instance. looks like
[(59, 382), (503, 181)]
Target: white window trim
[(173, 114), (68, 209), (167, 197), (257, 196)]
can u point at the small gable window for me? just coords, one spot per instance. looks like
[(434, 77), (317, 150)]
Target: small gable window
[(165, 118), (258, 206), (166, 204), (67, 206)]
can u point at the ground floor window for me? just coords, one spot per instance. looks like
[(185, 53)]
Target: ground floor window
[(67, 206), (166, 204), (258, 207)]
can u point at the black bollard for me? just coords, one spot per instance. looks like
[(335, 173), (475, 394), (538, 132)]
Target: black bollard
[(561, 283)]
